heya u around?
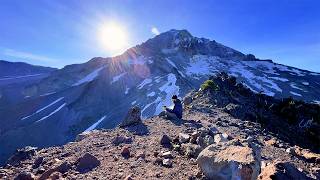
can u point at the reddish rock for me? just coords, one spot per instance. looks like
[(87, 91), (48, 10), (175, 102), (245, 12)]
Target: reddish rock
[(281, 170), (86, 163), (125, 152)]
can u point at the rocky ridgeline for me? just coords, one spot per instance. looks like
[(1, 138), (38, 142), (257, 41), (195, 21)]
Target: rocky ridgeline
[(294, 121), (217, 139)]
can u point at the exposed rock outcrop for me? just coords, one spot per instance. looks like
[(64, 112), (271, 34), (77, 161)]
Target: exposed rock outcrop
[(281, 170), (229, 162), (133, 117), (22, 154), (87, 162)]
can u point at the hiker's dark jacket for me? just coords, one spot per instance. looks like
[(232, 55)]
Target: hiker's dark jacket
[(177, 109)]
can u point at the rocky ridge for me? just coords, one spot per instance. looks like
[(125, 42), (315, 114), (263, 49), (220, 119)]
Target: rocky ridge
[(215, 139)]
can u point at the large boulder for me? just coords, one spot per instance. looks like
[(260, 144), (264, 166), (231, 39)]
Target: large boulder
[(86, 163), (229, 162), (281, 170), (187, 100), (165, 140), (133, 117)]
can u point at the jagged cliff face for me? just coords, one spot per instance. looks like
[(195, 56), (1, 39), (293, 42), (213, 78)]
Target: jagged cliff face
[(97, 94)]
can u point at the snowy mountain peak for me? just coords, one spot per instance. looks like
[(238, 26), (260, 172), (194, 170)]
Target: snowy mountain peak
[(147, 75)]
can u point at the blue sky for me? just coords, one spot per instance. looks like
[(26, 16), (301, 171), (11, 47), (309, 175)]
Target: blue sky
[(57, 33)]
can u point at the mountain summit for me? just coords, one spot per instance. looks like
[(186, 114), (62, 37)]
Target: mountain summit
[(98, 93)]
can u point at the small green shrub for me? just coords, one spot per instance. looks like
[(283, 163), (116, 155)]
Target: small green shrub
[(209, 84)]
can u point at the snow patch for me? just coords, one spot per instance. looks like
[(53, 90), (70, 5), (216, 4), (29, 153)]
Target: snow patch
[(305, 83), (158, 108), (144, 82), (294, 93), (116, 78), (93, 126), (19, 77), (90, 77), (182, 74), (170, 88), (199, 65), (172, 63), (151, 94), (315, 74), (150, 61), (47, 94), (292, 71), (127, 90), (134, 102), (52, 113), (253, 80), (157, 79), (169, 51), (137, 61), (38, 111), (145, 107), (293, 85), (264, 66), (279, 79)]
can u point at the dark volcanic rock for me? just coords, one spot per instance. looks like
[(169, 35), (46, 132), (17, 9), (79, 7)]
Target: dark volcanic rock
[(133, 117), (25, 176), (22, 154), (281, 170), (37, 162), (125, 152), (165, 141), (86, 163)]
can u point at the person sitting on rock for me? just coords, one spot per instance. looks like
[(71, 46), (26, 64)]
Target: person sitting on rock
[(176, 112)]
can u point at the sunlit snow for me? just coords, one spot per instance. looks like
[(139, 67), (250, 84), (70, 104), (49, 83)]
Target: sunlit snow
[(293, 85), (93, 126), (19, 77), (89, 77), (305, 83), (127, 90), (116, 78), (294, 93), (52, 113), (144, 82), (38, 111), (151, 94)]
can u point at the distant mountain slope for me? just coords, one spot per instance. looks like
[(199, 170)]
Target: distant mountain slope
[(20, 69), (100, 91), (15, 76)]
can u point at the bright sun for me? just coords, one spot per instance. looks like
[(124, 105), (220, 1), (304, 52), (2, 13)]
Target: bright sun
[(112, 37)]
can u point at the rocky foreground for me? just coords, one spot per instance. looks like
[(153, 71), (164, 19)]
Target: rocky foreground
[(211, 142)]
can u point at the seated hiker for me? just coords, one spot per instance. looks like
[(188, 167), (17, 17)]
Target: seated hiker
[(176, 112)]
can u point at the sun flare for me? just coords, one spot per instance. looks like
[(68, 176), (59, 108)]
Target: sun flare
[(113, 37)]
